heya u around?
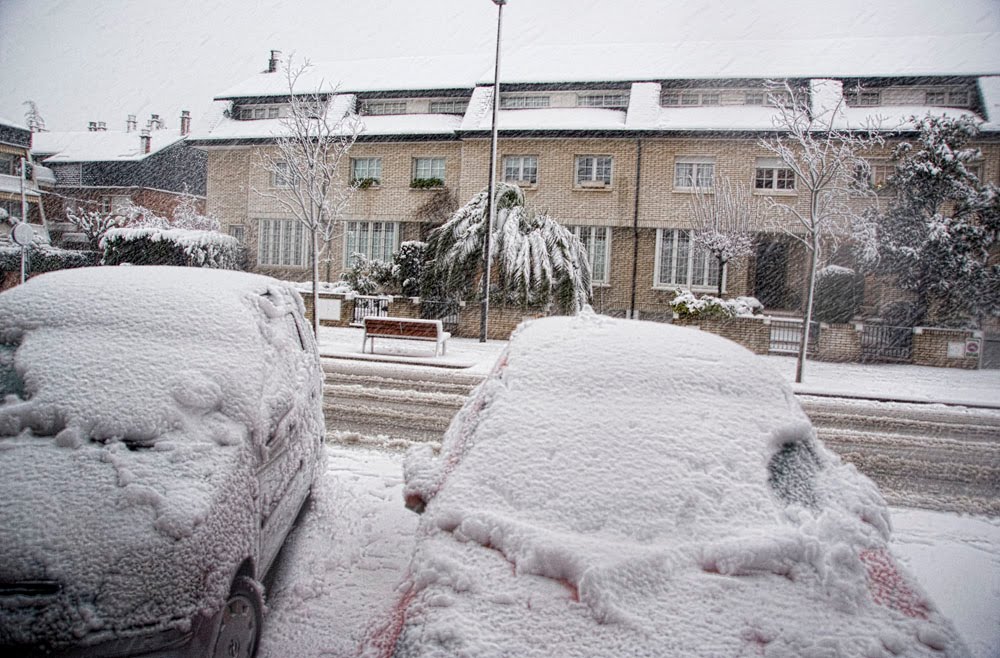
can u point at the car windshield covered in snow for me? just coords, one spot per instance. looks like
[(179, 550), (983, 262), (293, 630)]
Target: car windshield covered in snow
[(159, 431), (628, 488)]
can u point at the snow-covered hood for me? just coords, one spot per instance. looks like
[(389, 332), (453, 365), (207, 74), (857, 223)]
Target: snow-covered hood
[(627, 488)]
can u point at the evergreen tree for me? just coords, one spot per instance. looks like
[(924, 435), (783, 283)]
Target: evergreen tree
[(941, 224), (538, 261)]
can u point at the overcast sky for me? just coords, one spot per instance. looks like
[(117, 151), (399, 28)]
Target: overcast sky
[(100, 60)]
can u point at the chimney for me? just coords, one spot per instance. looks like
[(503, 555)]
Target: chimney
[(102, 126), (92, 126), (185, 122), (272, 64), (154, 121), (130, 125), (145, 140)]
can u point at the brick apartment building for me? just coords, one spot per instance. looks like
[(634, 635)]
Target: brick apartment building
[(614, 148), (101, 169)]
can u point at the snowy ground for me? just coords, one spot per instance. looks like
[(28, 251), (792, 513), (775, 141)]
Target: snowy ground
[(340, 567), (901, 382)]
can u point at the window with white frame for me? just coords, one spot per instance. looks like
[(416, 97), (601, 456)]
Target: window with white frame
[(680, 263), (373, 240), (237, 231), (449, 106), (282, 242), (428, 169), (520, 169), (593, 170), (366, 169), (694, 173), (280, 176), (522, 101), (383, 107), (864, 97), (675, 98), (10, 164), (947, 98), (602, 100), (597, 241), (879, 171), (257, 112), (771, 98), (773, 175)]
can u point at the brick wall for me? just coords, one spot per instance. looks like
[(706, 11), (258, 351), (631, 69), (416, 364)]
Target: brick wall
[(839, 343), (930, 347)]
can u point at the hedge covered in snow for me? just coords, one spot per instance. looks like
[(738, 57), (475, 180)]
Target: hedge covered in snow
[(687, 305), (46, 258), (185, 247)]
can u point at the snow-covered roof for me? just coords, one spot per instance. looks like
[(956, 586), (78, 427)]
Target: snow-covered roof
[(99, 145), (4, 121), (989, 88), (12, 185), (380, 74)]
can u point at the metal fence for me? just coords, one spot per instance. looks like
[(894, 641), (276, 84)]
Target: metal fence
[(365, 306), (787, 334), (444, 310), (991, 352), (886, 343)]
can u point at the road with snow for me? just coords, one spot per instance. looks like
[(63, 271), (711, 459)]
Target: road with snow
[(931, 456)]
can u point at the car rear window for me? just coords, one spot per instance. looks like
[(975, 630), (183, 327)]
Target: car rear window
[(792, 473), (10, 380)]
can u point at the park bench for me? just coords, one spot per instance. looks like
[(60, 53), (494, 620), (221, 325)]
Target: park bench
[(405, 329)]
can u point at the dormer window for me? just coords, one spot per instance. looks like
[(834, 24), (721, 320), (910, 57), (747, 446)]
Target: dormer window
[(689, 98), (522, 101), (448, 106), (616, 100), (383, 107), (864, 98), (256, 112), (947, 98)]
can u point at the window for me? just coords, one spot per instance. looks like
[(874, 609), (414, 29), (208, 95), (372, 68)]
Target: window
[(764, 97), (237, 231), (9, 164), (771, 174), (520, 169), (689, 98), (864, 98), (597, 241), (522, 101), (948, 99), (879, 173), (282, 242), (602, 100), (449, 107), (273, 112), (104, 205), (680, 263), (976, 169), (428, 172), (373, 240), (280, 177), (366, 171), (593, 170), (694, 173), (383, 107)]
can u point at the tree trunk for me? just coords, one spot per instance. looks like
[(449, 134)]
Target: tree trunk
[(810, 290)]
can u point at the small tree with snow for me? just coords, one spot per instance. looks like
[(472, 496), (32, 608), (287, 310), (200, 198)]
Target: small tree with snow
[(825, 158), (187, 215), (305, 165), (94, 223), (33, 117), (938, 230), (724, 222), (538, 261)]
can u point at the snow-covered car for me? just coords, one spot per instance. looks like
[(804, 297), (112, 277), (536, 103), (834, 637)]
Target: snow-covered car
[(160, 429), (623, 488)]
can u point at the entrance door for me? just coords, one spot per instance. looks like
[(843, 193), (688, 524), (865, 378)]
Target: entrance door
[(772, 271)]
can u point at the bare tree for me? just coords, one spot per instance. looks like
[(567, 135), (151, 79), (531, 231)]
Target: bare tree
[(814, 141), (316, 136), (33, 117), (724, 222)]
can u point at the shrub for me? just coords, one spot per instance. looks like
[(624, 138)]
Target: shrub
[(687, 306), (45, 258), (188, 248), (366, 276), (365, 183), (426, 183), (838, 296)]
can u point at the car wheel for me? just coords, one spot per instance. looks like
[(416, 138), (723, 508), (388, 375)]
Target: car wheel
[(240, 621)]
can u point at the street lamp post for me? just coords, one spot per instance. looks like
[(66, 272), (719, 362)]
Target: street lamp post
[(491, 201)]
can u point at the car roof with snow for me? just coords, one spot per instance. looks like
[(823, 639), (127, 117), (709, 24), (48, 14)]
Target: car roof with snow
[(632, 488)]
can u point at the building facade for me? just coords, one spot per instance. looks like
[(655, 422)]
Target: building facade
[(619, 161), (105, 170)]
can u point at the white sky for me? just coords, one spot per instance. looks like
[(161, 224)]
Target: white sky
[(99, 61)]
